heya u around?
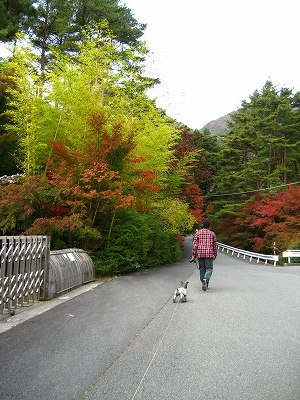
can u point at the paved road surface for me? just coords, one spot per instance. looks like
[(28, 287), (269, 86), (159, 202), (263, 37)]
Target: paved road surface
[(126, 339)]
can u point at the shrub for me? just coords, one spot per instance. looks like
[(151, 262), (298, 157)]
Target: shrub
[(138, 241)]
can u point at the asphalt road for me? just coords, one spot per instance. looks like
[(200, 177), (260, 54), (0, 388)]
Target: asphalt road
[(126, 339)]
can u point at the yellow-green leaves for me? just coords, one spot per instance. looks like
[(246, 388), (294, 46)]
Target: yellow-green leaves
[(176, 215)]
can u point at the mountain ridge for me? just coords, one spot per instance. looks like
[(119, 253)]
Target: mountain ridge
[(218, 126)]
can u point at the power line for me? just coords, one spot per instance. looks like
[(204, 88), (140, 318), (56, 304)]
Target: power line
[(251, 191)]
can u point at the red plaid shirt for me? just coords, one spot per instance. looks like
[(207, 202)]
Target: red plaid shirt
[(205, 244)]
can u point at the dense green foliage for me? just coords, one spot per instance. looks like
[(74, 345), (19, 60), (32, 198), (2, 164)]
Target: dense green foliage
[(139, 241), (262, 147), (15, 16), (60, 23), (8, 140)]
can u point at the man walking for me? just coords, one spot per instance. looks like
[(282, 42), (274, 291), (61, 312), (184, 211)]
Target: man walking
[(205, 250)]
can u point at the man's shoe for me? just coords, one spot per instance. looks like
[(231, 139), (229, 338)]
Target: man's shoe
[(204, 285), (207, 282)]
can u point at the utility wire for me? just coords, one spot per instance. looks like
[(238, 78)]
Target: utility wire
[(251, 191)]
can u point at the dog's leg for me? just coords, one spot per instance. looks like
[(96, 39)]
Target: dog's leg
[(175, 295)]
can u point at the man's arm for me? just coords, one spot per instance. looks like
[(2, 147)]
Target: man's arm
[(195, 246), (215, 248)]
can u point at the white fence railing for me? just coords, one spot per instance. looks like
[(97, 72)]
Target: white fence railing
[(289, 254), (244, 253)]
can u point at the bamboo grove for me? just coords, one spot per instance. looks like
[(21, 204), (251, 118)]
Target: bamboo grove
[(98, 158)]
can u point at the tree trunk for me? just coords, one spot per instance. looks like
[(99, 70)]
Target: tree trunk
[(285, 166)]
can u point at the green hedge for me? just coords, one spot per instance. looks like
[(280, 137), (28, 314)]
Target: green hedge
[(138, 241)]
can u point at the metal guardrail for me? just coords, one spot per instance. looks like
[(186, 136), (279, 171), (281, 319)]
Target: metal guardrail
[(291, 254), (244, 253)]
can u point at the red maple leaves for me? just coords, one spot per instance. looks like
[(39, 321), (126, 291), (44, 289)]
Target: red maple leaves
[(273, 218)]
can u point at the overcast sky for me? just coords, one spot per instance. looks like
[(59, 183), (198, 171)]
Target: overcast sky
[(210, 55)]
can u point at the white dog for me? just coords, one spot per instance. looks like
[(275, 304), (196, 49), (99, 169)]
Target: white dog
[(180, 292)]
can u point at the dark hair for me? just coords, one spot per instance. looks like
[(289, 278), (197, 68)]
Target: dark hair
[(206, 223)]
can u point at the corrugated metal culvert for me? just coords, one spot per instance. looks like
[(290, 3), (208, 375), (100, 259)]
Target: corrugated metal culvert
[(68, 269)]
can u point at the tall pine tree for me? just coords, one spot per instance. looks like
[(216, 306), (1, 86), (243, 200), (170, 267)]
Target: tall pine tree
[(59, 23), (261, 149)]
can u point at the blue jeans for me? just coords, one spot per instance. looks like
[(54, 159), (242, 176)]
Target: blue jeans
[(206, 268)]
